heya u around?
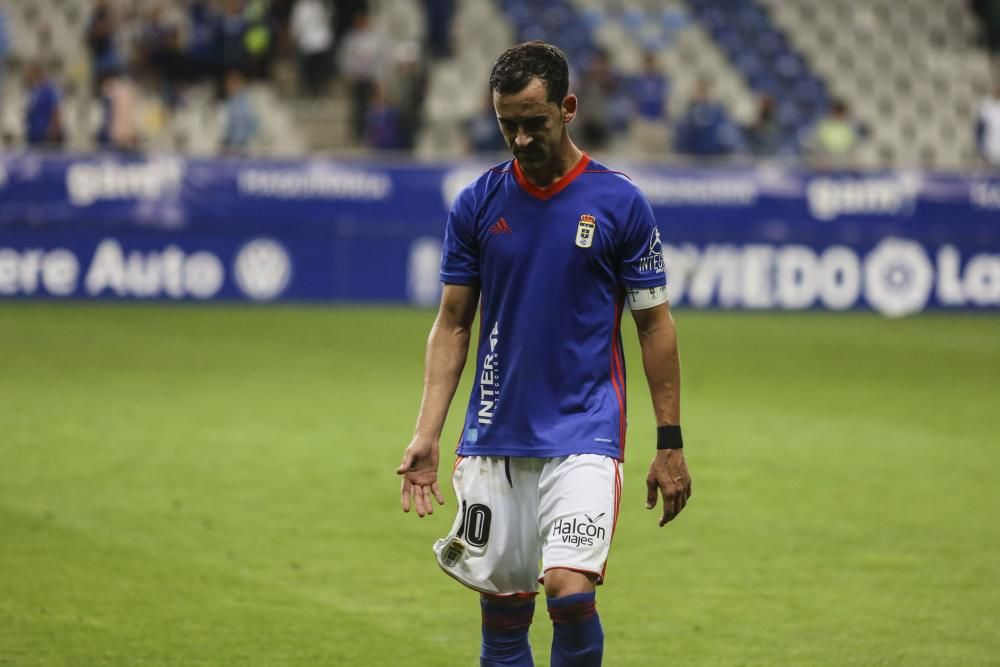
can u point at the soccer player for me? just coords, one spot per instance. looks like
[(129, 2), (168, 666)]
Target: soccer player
[(550, 246)]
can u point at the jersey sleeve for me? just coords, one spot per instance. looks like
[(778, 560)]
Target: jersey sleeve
[(460, 254), (640, 250)]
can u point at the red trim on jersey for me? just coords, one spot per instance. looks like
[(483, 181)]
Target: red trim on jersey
[(618, 503), (617, 374), (554, 188)]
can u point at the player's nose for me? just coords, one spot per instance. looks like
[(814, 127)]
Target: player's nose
[(523, 139)]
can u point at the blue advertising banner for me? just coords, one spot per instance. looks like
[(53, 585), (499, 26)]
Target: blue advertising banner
[(163, 227)]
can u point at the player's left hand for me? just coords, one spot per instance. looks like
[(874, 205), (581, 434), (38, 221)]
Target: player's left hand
[(668, 473)]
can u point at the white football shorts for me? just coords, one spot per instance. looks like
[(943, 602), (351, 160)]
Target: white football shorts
[(515, 511)]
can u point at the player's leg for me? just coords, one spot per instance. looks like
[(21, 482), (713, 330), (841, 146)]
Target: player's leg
[(494, 548), (577, 635), (578, 509), (506, 621)]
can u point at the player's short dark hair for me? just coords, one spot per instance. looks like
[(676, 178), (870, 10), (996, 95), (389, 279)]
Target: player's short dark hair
[(518, 65)]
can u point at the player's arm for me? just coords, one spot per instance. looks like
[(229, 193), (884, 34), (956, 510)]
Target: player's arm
[(447, 348), (668, 472)]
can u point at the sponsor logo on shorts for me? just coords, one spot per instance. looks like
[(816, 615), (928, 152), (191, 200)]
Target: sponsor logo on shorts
[(580, 533)]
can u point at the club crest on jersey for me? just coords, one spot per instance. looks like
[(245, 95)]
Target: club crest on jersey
[(585, 231)]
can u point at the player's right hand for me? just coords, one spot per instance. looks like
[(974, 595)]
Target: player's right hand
[(419, 470), (668, 476)]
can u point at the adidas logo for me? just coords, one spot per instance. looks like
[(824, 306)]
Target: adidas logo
[(500, 227)]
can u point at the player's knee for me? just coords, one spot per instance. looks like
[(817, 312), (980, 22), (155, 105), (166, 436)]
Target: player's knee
[(560, 582)]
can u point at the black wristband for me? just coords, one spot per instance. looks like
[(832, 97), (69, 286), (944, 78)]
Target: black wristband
[(669, 437)]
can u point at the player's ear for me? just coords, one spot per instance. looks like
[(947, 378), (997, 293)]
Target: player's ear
[(569, 108)]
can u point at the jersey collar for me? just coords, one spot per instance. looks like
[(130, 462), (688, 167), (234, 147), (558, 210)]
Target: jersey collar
[(553, 188)]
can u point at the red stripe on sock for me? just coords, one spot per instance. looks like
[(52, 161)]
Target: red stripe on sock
[(573, 613), (508, 621)]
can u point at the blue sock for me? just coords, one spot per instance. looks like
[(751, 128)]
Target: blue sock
[(577, 637), (505, 634)]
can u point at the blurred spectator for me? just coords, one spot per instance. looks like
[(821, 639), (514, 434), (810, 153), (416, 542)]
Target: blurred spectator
[(100, 38), (159, 55), (241, 116), (405, 86), (836, 134), (280, 13), (762, 137), (483, 130), (312, 30), (382, 121), (439, 14), (204, 48), (119, 100), (989, 14), (705, 129), (258, 39), (232, 28), (4, 47), (650, 90), (988, 127), (361, 60), (605, 109), (154, 37), (128, 28), (345, 13), (167, 63), (153, 117), (43, 123), (620, 108)]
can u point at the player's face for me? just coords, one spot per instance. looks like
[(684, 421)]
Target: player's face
[(531, 124)]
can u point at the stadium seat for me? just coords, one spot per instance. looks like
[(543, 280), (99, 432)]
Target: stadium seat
[(906, 70)]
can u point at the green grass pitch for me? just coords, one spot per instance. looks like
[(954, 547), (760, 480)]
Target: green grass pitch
[(214, 486)]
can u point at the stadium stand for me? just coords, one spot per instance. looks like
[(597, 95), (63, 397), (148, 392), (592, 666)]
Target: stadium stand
[(685, 51), (911, 75), (912, 72), (52, 32), (479, 32), (768, 64)]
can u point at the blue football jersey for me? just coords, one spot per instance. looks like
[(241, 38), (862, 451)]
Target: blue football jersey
[(553, 265)]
